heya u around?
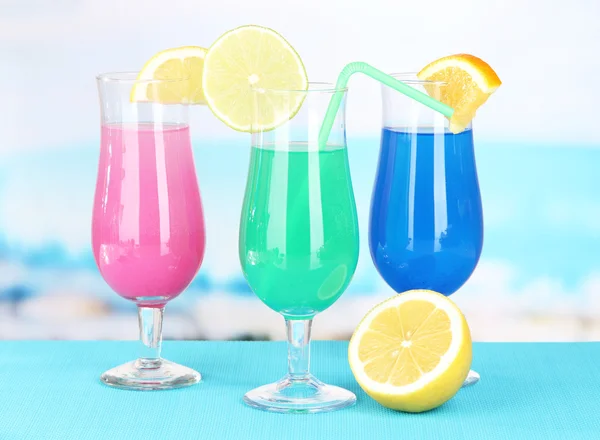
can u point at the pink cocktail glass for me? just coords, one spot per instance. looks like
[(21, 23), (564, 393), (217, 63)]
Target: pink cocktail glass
[(148, 233)]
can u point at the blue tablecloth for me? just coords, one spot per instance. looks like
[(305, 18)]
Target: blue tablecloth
[(51, 391)]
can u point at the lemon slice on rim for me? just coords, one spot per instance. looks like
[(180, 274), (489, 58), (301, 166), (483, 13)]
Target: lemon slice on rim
[(469, 83), (253, 57), (183, 66), (412, 352)]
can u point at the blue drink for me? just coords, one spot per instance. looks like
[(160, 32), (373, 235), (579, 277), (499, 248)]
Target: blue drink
[(426, 226)]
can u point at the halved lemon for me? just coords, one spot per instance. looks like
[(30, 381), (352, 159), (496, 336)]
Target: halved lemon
[(412, 352), (253, 57), (181, 69), (469, 83)]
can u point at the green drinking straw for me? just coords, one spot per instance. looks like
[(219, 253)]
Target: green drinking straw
[(384, 78)]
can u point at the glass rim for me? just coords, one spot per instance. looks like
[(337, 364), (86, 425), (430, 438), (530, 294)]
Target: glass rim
[(313, 87), (131, 77), (411, 78)]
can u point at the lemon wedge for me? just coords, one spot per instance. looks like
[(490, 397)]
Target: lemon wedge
[(412, 352), (178, 72), (469, 82), (253, 57)]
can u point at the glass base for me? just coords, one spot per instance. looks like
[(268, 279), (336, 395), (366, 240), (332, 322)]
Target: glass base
[(145, 375), (471, 379), (308, 395)]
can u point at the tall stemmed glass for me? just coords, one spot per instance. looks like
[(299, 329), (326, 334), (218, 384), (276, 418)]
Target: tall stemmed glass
[(426, 225), (147, 225), (299, 237)]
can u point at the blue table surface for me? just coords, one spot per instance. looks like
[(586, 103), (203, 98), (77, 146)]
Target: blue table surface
[(51, 391)]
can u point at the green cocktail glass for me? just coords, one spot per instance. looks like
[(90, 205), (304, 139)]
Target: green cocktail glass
[(299, 236)]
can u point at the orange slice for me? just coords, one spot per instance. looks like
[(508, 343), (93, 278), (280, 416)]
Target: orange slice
[(469, 82)]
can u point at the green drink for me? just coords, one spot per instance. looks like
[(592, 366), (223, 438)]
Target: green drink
[(299, 230)]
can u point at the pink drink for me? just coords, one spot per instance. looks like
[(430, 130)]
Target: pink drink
[(148, 226)]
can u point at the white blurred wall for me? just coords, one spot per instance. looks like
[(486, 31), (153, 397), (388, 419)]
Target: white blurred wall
[(545, 53)]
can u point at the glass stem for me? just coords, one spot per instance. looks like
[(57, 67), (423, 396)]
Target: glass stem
[(150, 320), (298, 334)]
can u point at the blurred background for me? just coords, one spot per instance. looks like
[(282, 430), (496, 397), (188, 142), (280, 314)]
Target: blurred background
[(537, 145)]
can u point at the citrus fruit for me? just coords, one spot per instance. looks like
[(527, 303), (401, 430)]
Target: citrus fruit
[(247, 58), (469, 82), (180, 70), (412, 352)]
